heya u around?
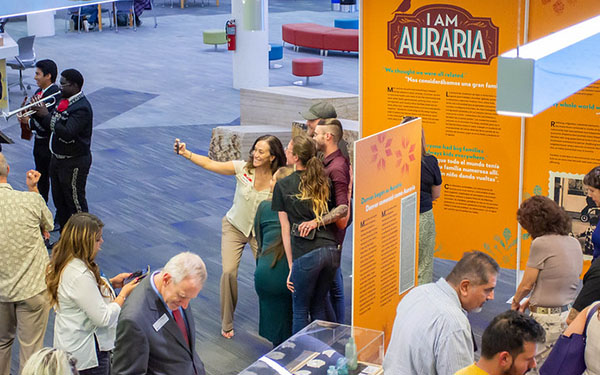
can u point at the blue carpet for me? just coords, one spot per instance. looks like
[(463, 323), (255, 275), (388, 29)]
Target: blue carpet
[(109, 102)]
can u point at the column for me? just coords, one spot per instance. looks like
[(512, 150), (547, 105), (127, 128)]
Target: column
[(251, 57)]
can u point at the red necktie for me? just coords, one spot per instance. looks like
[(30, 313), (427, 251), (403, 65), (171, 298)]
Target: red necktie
[(181, 324)]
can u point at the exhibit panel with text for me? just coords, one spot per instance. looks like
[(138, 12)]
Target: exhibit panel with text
[(387, 168), (439, 61)]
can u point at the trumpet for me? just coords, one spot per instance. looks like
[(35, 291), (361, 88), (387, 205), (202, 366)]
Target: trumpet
[(49, 101)]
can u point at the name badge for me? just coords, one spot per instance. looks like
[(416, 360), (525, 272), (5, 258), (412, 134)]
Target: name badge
[(160, 322)]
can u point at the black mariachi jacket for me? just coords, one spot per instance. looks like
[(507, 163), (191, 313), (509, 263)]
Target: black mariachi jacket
[(71, 129)]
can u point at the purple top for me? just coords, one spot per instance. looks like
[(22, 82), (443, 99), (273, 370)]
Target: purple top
[(337, 168)]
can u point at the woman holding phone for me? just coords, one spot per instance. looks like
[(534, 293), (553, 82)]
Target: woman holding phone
[(252, 187), (86, 306)]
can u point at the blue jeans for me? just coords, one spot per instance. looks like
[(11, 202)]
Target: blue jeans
[(336, 295), (103, 367), (312, 275)]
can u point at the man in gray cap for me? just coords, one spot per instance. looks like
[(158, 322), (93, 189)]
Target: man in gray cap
[(321, 110), (317, 112)]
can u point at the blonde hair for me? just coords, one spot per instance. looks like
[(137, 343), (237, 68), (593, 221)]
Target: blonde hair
[(3, 166), (50, 361), (314, 185), (283, 172), (77, 240)]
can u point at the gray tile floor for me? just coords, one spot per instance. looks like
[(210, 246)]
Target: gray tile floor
[(148, 87)]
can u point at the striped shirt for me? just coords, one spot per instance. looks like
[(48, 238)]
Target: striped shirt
[(431, 333)]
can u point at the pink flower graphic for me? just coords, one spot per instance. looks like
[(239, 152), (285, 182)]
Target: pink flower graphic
[(405, 155), (381, 150)]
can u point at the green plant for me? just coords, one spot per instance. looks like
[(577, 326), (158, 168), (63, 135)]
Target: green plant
[(504, 248)]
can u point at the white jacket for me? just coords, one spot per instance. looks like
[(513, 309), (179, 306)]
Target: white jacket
[(82, 311)]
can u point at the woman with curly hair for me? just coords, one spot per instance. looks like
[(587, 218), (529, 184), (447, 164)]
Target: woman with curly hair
[(313, 254), (591, 181), (553, 268), (85, 303)]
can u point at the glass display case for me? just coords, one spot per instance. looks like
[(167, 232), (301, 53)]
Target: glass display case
[(320, 345)]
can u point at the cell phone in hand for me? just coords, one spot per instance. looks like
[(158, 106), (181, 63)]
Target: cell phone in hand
[(177, 147), (296, 232), (139, 274)]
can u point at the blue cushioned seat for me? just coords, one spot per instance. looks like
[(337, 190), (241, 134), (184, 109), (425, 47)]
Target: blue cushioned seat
[(276, 52), (346, 23)]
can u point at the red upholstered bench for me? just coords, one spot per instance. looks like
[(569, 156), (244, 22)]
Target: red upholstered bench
[(321, 37), (288, 31), (312, 37), (341, 40), (307, 67)]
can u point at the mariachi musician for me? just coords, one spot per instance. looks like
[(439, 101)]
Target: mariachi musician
[(45, 77), (70, 127)]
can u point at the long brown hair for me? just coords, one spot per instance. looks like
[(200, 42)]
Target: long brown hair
[(77, 240), (314, 184), (275, 149), (276, 246)]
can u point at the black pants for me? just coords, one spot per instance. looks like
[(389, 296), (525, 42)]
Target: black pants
[(42, 156), (68, 178)]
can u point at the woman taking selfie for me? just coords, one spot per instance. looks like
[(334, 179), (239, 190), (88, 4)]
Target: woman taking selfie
[(306, 212), (86, 307), (252, 187)]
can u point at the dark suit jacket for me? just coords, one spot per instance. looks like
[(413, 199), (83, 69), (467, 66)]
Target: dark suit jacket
[(140, 349)]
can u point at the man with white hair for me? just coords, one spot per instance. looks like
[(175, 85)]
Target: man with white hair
[(24, 304), (156, 332)]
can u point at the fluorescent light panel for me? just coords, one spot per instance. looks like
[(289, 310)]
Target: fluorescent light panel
[(14, 8), (549, 69)]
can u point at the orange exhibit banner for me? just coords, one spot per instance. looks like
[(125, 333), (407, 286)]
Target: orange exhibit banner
[(387, 174), (438, 61)]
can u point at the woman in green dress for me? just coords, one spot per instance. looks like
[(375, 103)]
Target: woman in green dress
[(275, 300)]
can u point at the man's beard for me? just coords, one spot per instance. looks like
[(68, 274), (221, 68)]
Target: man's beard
[(512, 371)]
